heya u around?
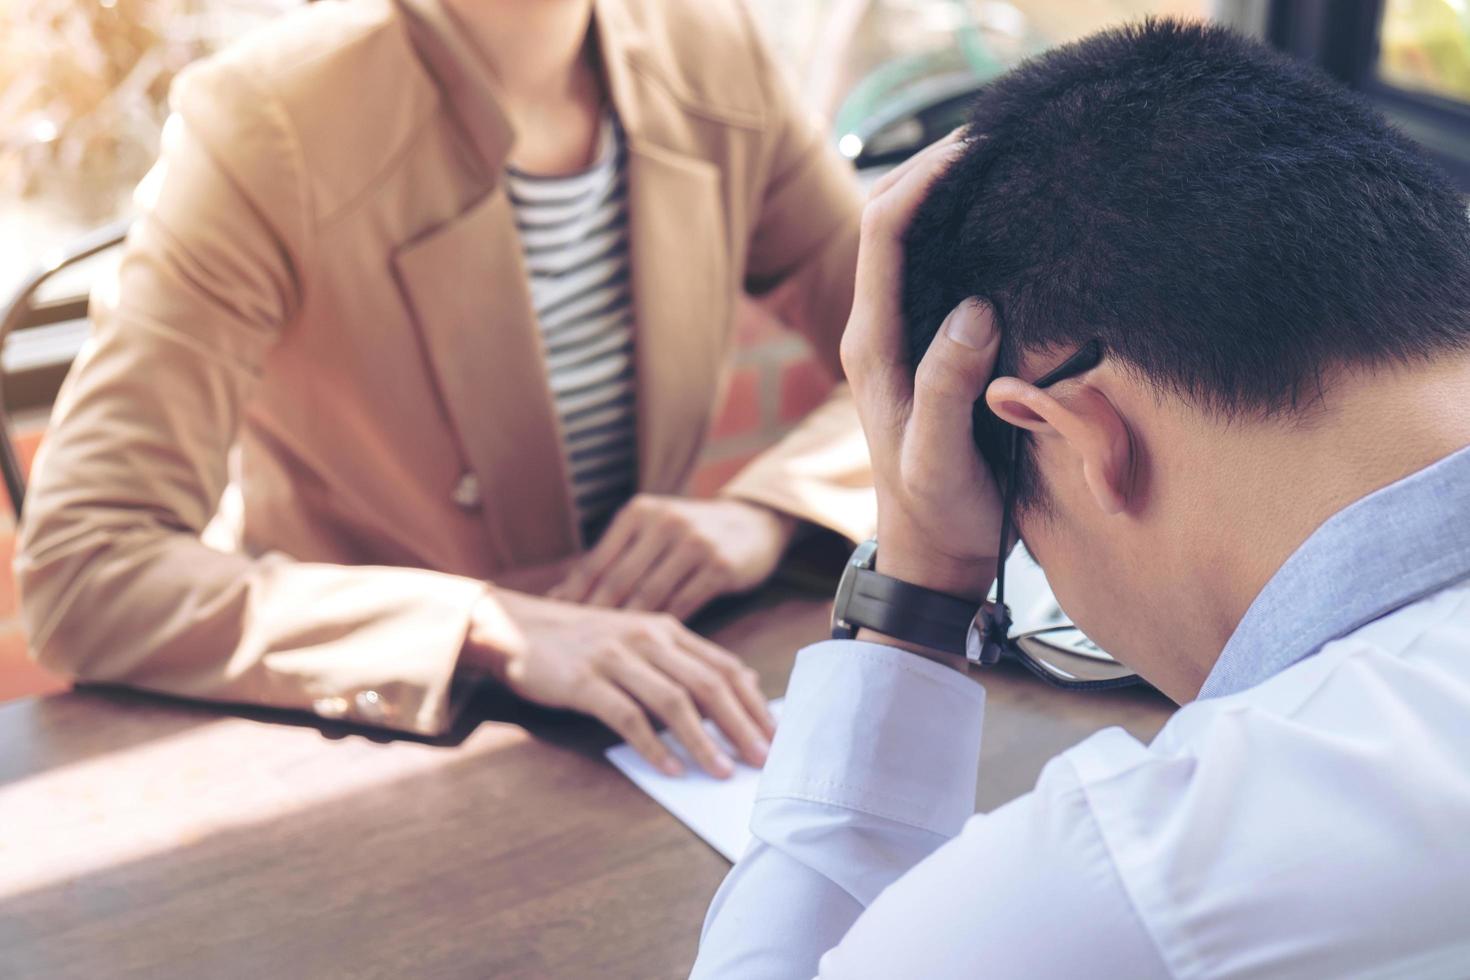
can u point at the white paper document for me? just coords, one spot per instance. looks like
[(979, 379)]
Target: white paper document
[(718, 810)]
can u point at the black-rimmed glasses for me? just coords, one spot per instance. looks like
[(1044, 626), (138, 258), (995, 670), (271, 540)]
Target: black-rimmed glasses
[(1060, 655)]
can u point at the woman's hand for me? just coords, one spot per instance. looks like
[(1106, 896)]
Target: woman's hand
[(673, 555), (620, 667), (939, 510)]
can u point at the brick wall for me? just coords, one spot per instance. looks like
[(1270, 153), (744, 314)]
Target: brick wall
[(774, 381)]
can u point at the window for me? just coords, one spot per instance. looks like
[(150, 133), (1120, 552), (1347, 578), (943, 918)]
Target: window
[(1424, 47), (1411, 57)]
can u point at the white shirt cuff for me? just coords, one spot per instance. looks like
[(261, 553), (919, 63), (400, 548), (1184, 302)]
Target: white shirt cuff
[(876, 729)]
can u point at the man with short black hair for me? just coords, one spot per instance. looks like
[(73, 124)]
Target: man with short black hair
[(1207, 319)]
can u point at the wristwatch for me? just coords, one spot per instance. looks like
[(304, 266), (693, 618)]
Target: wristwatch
[(867, 599)]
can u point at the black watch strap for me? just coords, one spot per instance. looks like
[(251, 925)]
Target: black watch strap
[(867, 599)]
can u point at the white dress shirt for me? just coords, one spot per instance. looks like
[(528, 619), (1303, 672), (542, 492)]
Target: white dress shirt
[(1309, 816)]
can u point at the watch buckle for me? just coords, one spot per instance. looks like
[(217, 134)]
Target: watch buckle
[(986, 638)]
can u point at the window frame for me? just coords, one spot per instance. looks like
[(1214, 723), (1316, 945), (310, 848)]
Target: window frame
[(1342, 37)]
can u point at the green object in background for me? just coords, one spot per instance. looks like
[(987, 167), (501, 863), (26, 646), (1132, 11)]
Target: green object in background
[(1425, 46), (908, 101)]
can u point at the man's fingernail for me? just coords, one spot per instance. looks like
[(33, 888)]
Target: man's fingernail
[(724, 765), (969, 324), (762, 750), (671, 766)]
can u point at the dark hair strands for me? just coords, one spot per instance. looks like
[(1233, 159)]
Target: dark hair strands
[(1233, 226)]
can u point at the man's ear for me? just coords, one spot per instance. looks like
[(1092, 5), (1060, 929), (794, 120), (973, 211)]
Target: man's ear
[(1084, 418)]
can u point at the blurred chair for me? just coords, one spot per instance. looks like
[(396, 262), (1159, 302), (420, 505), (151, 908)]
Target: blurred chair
[(907, 122), (26, 310)]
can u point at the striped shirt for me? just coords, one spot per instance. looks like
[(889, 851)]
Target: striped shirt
[(574, 235)]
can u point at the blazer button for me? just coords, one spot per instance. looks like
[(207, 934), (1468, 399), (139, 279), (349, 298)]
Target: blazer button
[(467, 492)]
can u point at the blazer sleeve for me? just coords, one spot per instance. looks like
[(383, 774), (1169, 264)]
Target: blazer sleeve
[(117, 584), (801, 261)]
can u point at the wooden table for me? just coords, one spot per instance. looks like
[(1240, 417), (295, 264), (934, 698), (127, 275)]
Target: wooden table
[(152, 838)]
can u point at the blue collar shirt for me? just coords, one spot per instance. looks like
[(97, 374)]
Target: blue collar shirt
[(1304, 817)]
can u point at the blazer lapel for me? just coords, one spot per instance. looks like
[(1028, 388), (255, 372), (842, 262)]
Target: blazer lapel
[(466, 286), (682, 307), (679, 246)]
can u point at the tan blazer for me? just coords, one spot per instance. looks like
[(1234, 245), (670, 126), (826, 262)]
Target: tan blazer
[(325, 276)]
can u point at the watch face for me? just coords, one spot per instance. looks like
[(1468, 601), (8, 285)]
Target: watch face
[(978, 649), (975, 640), (862, 559)]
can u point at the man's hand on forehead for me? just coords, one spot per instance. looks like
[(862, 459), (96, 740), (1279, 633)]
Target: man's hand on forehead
[(938, 506)]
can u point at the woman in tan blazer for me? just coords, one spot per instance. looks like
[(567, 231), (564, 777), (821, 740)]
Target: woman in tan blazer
[(325, 302)]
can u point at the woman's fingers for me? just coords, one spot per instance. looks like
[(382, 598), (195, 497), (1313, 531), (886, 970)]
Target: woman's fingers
[(695, 593), (614, 708), (654, 590), (621, 577), (715, 694), (585, 574), (672, 703), (745, 682)]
